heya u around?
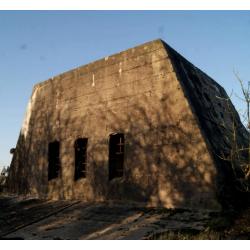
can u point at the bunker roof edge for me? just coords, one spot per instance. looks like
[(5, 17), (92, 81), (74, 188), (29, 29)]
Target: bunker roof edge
[(155, 42)]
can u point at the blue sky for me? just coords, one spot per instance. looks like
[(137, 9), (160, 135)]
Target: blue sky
[(35, 45)]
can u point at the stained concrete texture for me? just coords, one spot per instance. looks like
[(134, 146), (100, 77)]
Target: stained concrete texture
[(177, 123), (40, 219)]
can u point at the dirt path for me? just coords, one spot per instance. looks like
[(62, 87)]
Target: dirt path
[(38, 219)]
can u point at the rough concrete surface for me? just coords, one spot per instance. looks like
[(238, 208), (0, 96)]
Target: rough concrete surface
[(176, 122), (37, 219)]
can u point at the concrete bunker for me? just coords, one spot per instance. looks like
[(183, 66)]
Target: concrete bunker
[(141, 125)]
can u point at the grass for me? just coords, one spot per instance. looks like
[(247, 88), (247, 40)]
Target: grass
[(224, 227)]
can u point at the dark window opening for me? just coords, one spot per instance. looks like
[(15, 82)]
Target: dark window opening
[(54, 160), (116, 155), (80, 158)]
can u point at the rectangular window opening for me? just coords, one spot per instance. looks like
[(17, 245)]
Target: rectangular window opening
[(116, 155), (54, 160), (80, 158)]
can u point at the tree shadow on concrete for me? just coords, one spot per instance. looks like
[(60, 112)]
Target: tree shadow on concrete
[(167, 162)]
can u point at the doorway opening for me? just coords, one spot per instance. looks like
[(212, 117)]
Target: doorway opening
[(80, 158), (116, 155), (54, 160)]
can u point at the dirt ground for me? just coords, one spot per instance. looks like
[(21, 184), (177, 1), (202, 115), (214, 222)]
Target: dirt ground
[(28, 218)]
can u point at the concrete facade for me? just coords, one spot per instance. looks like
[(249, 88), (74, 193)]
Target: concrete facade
[(172, 121)]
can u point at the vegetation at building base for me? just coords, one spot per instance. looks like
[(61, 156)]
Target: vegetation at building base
[(227, 226), (234, 221), (3, 176), (235, 159)]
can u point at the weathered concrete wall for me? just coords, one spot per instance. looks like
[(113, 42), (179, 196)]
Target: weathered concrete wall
[(219, 123), (136, 92)]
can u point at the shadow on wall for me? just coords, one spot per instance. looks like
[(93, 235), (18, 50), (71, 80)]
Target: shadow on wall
[(222, 128), (166, 160)]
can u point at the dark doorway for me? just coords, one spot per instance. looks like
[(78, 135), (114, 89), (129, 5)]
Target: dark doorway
[(80, 158), (116, 155), (54, 160)]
